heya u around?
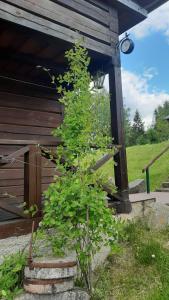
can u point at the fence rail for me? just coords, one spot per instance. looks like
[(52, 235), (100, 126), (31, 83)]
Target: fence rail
[(147, 167)]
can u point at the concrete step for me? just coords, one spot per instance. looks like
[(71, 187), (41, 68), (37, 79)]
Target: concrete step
[(165, 184), (166, 190)]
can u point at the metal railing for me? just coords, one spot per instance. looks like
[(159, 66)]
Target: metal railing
[(147, 167)]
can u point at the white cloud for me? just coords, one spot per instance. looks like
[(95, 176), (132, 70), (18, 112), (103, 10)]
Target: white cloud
[(149, 73), (157, 21), (137, 95)]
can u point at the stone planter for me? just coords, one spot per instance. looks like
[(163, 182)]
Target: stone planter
[(47, 278), (50, 276)]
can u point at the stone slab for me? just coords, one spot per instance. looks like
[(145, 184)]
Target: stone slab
[(158, 217), (51, 273), (137, 186), (52, 268), (40, 287), (71, 295)]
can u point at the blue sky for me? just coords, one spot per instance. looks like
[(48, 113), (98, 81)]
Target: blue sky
[(145, 72), (151, 53)]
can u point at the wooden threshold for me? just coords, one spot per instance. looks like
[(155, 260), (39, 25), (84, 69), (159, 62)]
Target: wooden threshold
[(17, 227)]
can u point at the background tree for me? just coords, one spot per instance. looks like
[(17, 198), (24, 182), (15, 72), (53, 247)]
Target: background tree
[(161, 126), (101, 109), (137, 130), (102, 119), (127, 125)]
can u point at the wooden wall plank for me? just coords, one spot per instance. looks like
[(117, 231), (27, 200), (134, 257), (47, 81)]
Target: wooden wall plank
[(27, 130), (87, 9), (99, 3), (8, 149), (27, 117), (6, 174), (39, 138), (25, 88), (11, 191), (15, 164), (19, 163), (48, 172), (32, 103), (53, 142), (11, 182), (11, 174)]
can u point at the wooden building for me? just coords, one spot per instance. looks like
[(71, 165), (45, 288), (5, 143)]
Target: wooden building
[(37, 32)]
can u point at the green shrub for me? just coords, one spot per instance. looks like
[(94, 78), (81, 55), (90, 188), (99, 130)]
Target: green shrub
[(11, 276), (75, 206)]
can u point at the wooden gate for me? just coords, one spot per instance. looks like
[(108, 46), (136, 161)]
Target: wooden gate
[(24, 174)]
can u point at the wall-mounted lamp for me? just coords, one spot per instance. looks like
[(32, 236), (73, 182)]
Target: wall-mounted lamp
[(126, 45), (98, 80)]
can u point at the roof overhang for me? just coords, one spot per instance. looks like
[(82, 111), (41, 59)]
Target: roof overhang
[(151, 5), (132, 12)]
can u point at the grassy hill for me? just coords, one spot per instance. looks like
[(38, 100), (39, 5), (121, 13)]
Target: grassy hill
[(140, 155)]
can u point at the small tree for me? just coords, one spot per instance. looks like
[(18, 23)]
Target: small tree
[(127, 125), (137, 131), (75, 204)]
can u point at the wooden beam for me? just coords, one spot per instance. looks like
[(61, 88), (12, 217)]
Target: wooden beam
[(12, 156), (32, 178), (41, 24), (38, 201), (116, 105), (132, 5), (57, 13), (154, 4)]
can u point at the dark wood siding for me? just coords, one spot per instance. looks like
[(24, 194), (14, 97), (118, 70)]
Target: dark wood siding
[(24, 118), (28, 118), (67, 20)]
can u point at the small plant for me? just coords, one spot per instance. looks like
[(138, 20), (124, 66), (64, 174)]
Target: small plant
[(31, 211), (75, 205), (148, 253), (135, 230), (11, 275)]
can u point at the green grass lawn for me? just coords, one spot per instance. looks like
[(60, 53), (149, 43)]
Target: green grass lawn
[(140, 155), (140, 271)]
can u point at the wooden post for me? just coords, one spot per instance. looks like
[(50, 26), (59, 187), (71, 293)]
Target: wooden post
[(148, 181), (116, 106), (39, 180), (32, 178)]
